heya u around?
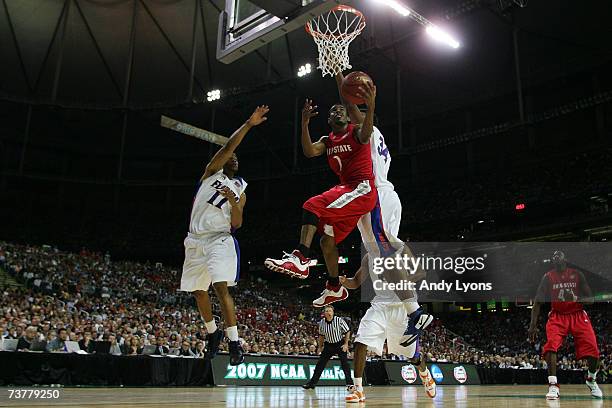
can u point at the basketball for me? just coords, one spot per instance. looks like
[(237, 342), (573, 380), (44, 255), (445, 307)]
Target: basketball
[(351, 84)]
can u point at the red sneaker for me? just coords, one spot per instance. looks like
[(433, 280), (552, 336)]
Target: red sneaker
[(294, 264), (330, 295)]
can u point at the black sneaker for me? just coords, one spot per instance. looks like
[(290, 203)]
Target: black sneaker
[(213, 340), (308, 386), (236, 353)]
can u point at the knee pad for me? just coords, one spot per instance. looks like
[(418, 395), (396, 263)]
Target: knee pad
[(309, 218)]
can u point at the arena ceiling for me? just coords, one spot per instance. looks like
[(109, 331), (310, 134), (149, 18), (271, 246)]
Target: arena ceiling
[(78, 52)]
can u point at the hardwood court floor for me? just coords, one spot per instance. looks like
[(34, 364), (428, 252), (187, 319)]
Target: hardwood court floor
[(328, 397)]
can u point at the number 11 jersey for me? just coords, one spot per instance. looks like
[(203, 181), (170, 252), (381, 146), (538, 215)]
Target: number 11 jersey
[(211, 212)]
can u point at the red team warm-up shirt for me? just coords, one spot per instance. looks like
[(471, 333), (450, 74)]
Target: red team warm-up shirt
[(348, 158), (564, 289)]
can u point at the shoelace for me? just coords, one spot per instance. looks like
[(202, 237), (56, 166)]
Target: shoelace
[(287, 255)]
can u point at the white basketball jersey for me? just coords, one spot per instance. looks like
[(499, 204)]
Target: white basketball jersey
[(381, 160), (211, 212)]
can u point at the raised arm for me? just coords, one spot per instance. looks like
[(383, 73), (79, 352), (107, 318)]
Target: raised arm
[(353, 111), (223, 154), (537, 305), (367, 91), (310, 149)]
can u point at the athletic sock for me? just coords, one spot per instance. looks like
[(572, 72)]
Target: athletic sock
[(552, 379), (304, 250), (232, 333), (358, 385), (211, 326), (591, 376), (411, 307), (334, 282)]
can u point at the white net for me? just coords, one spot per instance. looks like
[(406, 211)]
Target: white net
[(333, 32)]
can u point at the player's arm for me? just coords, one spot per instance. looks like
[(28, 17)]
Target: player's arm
[(359, 278), (223, 154), (310, 149), (586, 295), (347, 338), (353, 111), (237, 206), (537, 305), (367, 91)]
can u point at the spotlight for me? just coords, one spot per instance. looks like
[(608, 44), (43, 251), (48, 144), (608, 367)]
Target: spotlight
[(397, 6), (437, 34), (304, 70), (213, 95)]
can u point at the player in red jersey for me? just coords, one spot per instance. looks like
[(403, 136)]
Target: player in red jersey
[(334, 213), (567, 290)]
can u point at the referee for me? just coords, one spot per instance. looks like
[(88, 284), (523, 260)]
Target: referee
[(334, 335)]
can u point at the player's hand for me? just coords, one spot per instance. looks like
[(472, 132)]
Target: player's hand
[(348, 283), (308, 111), (229, 194), (258, 116), (367, 91), (532, 334), (345, 348)]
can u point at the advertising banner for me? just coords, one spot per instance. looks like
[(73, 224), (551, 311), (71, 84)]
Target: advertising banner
[(275, 370), (405, 373)]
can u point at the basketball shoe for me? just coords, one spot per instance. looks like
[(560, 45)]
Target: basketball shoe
[(294, 264), (428, 383), (595, 390), (418, 321), (330, 295), (212, 342), (236, 353), (354, 394), (553, 392)]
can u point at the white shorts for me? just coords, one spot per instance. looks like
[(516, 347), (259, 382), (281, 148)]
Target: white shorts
[(385, 321), (391, 208), (383, 220), (209, 259)]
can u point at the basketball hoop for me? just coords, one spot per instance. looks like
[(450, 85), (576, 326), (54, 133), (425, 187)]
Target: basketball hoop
[(333, 32)]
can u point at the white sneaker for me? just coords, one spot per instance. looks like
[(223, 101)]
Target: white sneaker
[(428, 383), (595, 390), (553, 392), (293, 264), (329, 296)]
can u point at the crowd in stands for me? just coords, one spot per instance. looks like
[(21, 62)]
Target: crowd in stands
[(87, 297)]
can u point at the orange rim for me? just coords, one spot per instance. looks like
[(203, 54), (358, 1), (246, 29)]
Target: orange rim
[(345, 8)]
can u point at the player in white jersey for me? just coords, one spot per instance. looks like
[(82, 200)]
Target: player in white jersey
[(212, 255), (386, 319), (399, 322)]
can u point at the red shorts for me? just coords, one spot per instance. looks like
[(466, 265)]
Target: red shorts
[(340, 208), (578, 325)]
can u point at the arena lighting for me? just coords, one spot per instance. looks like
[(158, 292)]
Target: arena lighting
[(396, 5), (304, 70), (439, 35), (213, 95)]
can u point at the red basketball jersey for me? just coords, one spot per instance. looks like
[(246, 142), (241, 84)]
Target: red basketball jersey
[(348, 158), (564, 290)]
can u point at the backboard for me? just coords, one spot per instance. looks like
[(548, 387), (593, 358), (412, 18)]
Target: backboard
[(246, 25)]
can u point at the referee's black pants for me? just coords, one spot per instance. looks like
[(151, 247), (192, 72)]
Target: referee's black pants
[(329, 350)]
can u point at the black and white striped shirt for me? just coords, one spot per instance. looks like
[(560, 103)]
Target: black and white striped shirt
[(334, 330)]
